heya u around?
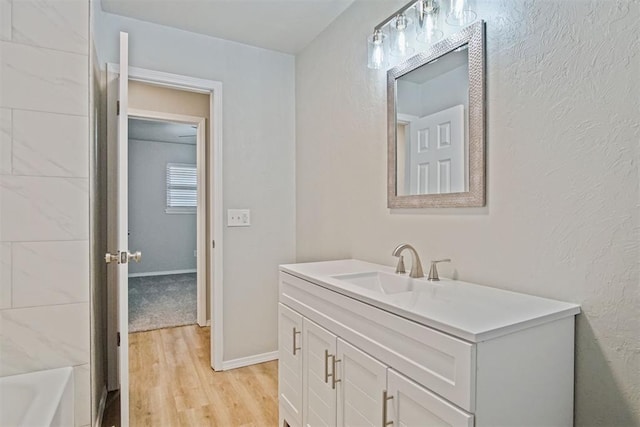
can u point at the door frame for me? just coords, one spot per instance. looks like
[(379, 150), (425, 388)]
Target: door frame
[(214, 206), (201, 172)]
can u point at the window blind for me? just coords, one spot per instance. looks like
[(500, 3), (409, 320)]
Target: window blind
[(182, 188)]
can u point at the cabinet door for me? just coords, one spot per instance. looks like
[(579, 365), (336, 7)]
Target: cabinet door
[(318, 390), (412, 405), (362, 380), (289, 366)]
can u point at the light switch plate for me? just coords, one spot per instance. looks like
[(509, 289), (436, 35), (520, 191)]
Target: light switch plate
[(238, 217)]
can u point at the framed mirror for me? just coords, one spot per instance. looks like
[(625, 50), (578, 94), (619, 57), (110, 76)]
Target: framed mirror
[(435, 108)]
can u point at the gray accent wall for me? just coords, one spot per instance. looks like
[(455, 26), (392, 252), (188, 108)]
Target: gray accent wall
[(259, 162), (167, 241)]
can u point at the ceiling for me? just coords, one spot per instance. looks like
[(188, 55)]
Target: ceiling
[(437, 67), (150, 130), (282, 25)]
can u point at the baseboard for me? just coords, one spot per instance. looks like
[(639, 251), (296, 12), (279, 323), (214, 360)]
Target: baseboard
[(101, 407), (251, 360), (163, 273)]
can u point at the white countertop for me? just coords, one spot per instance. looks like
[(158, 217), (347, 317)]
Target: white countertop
[(472, 312)]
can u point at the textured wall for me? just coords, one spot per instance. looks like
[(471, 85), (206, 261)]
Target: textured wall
[(258, 154), (44, 191), (167, 241), (563, 187)]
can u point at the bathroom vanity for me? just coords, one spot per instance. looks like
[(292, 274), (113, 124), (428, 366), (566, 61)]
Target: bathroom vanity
[(361, 345)]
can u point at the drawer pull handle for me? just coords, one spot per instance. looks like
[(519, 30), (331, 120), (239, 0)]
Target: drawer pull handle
[(326, 366), (385, 399), (295, 345), (334, 376)]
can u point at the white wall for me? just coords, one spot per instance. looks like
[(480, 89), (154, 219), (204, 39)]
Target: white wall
[(167, 241), (562, 221), (258, 126), (44, 191)]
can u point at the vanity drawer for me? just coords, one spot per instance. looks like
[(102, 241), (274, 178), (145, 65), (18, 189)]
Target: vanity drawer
[(413, 405), (440, 362)]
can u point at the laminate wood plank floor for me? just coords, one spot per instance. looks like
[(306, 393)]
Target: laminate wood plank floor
[(172, 384)]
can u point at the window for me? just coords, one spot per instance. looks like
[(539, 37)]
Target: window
[(182, 188)]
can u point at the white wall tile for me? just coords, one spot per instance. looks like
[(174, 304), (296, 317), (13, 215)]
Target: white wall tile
[(5, 275), (82, 400), (46, 337), (46, 273), (50, 144), (55, 24), (37, 209), (5, 141), (5, 19), (33, 78)]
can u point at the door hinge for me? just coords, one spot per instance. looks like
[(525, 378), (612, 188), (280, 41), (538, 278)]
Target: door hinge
[(118, 339), (213, 244), (117, 108)]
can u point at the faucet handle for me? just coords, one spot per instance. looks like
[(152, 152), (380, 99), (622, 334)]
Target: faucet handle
[(400, 267), (433, 271)]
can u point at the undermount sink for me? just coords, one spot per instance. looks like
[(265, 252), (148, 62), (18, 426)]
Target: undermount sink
[(379, 281)]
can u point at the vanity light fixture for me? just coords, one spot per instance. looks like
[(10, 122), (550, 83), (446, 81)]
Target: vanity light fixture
[(428, 30)]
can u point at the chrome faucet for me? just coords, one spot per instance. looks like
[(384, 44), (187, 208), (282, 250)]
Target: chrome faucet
[(416, 265)]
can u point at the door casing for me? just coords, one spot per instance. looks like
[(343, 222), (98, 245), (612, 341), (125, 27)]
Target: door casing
[(214, 208)]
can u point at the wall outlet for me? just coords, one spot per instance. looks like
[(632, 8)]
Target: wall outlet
[(238, 217)]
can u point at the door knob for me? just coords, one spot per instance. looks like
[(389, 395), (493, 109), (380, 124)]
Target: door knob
[(109, 257), (135, 256)]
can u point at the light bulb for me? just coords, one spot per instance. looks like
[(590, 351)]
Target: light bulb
[(377, 55), (400, 41), (460, 14), (427, 12)]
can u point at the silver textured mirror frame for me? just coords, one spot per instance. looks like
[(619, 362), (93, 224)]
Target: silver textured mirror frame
[(474, 36)]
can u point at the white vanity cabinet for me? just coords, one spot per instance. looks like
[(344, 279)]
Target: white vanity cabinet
[(414, 405), (362, 383), (290, 365), (343, 386), (318, 375), (348, 359)]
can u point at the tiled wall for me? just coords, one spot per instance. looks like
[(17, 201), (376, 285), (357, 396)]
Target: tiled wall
[(44, 190)]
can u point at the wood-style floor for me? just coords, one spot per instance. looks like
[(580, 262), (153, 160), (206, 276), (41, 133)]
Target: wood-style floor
[(172, 384)]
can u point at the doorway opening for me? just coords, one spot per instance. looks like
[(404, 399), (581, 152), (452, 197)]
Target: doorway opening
[(123, 81), (166, 288)]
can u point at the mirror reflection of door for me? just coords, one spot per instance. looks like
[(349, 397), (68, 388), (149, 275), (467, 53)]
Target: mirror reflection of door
[(432, 129), (436, 155)]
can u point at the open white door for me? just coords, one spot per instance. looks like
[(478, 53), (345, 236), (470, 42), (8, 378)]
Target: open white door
[(120, 256), (123, 228)]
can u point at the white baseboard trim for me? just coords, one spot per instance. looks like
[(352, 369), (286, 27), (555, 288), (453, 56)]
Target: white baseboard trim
[(163, 273), (251, 360), (209, 322), (101, 407)]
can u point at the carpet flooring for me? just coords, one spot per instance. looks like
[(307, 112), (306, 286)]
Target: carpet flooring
[(157, 302)]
